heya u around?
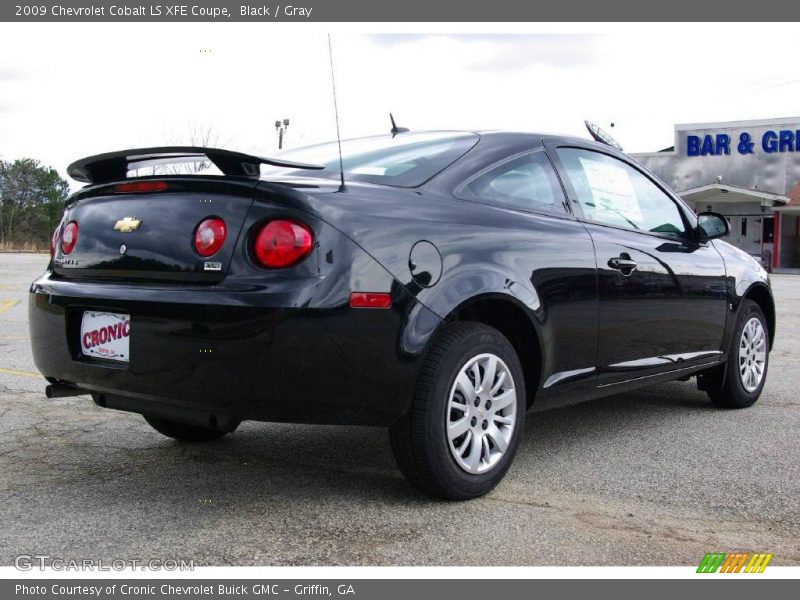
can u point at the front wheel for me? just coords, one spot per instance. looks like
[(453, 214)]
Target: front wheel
[(465, 423), (748, 360)]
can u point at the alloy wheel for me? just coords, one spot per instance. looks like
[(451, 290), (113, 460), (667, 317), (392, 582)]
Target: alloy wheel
[(752, 354), (481, 413)]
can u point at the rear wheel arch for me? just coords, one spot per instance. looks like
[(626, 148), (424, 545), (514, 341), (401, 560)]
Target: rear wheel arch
[(510, 318)]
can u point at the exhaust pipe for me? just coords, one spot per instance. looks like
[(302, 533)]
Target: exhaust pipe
[(60, 390)]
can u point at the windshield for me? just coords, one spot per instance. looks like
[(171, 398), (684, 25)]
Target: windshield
[(406, 160)]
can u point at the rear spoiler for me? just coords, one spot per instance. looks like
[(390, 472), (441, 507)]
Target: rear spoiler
[(113, 166)]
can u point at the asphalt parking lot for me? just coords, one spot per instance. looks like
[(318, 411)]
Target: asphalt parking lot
[(656, 477)]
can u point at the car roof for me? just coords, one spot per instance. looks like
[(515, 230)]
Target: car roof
[(536, 137), (490, 134), (493, 137)]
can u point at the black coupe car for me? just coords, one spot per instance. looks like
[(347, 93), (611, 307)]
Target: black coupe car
[(439, 284)]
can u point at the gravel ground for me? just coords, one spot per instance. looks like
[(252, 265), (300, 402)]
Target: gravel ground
[(656, 477)]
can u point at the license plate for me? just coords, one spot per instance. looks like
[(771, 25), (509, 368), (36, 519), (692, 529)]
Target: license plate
[(106, 335)]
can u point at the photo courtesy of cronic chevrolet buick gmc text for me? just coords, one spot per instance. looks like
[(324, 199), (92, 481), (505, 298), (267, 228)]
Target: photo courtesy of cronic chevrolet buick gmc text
[(440, 285)]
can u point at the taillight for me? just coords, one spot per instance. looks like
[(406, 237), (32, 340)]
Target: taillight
[(54, 240), (283, 243), (209, 236), (140, 187), (69, 237)]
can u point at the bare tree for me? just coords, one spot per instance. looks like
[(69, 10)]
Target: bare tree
[(199, 135)]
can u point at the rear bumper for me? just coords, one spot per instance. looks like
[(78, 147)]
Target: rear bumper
[(235, 353)]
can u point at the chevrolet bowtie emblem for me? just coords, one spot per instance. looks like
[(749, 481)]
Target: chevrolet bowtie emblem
[(127, 224)]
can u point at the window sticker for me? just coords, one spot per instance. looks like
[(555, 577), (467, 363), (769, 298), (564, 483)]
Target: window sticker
[(612, 189)]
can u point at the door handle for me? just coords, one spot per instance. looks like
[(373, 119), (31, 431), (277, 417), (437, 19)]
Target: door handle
[(623, 264)]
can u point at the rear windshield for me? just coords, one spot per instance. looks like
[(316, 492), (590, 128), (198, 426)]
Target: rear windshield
[(406, 160)]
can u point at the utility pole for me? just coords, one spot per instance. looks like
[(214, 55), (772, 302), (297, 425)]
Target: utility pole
[(280, 128)]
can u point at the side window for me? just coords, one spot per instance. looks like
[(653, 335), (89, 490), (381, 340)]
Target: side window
[(612, 192), (527, 182)]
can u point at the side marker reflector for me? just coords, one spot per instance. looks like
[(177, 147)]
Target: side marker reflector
[(370, 300)]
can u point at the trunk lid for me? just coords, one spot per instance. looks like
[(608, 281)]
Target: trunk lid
[(151, 235)]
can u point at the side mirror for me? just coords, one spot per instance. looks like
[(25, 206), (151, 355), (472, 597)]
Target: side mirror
[(711, 225)]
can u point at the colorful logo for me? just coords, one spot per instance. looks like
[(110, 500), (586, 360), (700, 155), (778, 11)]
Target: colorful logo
[(736, 562)]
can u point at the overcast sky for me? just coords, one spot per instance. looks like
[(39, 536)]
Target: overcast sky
[(69, 90)]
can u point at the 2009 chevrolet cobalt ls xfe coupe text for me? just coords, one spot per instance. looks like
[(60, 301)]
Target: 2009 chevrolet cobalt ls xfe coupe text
[(454, 281)]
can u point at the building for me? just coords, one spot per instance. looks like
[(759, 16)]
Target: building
[(747, 170)]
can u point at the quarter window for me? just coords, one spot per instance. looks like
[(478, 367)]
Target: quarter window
[(527, 182), (612, 192)]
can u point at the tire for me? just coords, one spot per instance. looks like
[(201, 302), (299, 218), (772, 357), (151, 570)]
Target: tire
[(421, 441), (736, 390), (183, 431)]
